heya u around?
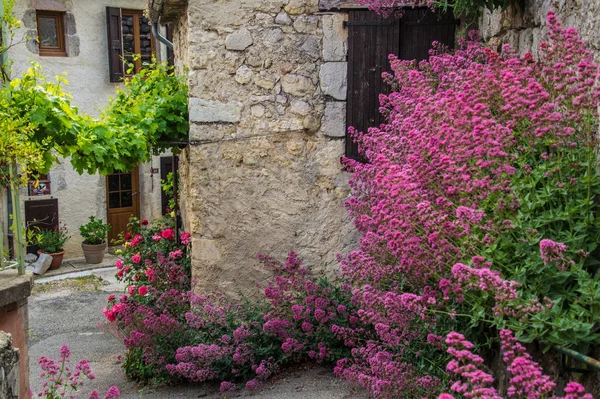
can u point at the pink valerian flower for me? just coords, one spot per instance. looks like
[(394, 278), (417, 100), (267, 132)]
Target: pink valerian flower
[(168, 234), (131, 290), (119, 264), (553, 252), (112, 393), (466, 365), (143, 290), (176, 254), (228, 386), (185, 238), (94, 395), (156, 237), (136, 258)]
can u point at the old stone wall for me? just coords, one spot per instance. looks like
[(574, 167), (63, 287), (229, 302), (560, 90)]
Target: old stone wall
[(9, 368), (86, 67), (267, 110), (524, 28)]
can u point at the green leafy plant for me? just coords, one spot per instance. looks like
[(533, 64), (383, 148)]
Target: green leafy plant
[(49, 241), (168, 187), (94, 232)]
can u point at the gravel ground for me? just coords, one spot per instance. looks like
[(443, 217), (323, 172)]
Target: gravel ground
[(69, 312)]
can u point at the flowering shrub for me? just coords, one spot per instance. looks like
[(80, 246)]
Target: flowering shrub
[(155, 266), (527, 378), (477, 213), (476, 207), (62, 381)]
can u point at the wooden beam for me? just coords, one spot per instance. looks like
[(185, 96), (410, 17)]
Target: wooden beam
[(327, 5)]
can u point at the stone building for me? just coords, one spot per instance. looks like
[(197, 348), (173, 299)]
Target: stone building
[(74, 38), (523, 27), (273, 86)]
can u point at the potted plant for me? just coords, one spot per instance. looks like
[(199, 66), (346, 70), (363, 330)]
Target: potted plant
[(51, 242), (94, 235)]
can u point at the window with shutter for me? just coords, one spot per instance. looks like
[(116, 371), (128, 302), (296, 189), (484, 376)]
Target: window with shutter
[(371, 38), (129, 34)]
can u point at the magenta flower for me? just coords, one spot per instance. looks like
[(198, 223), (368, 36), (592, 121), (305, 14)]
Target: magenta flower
[(136, 258)]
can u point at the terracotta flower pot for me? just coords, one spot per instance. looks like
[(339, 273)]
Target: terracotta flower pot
[(57, 258), (94, 253)]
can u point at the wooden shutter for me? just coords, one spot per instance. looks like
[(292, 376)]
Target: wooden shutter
[(115, 44), (42, 214), (370, 40)]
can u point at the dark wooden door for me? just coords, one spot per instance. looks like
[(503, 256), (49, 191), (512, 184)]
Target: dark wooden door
[(122, 201), (371, 38), (42, 214)]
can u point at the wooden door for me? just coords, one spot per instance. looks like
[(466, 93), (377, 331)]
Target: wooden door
[(122, 201), (371, 38)]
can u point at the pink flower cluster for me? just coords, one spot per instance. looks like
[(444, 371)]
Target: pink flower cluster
[(62, 381), (527, 379)]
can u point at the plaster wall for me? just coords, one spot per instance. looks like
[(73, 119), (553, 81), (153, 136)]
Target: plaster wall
[(267, 110), (86, 67)]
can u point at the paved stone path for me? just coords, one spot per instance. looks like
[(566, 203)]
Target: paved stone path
[(56, 318)]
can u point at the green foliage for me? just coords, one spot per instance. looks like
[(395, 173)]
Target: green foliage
[(167, 186), (94, 232), (49, 241)]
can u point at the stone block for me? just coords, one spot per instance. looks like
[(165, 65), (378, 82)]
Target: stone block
[(333, 123), (297, 7), (283, 18), (300, 107), (244, 75), (306, 24), (202, 110), (334, 79), (297, 85), (335, 37), (42, 264), (239, 40)]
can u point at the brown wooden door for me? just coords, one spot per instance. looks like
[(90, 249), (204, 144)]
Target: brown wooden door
[(122, 201)]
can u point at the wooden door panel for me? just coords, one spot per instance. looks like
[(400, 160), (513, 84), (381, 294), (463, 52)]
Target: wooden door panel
[(122, 201), (371, 38)]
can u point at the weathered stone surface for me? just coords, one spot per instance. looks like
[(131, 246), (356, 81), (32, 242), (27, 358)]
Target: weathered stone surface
[(9, 368), (334, 78), (283, 19), (524, 27), (244, 75), (300, 107), (333, 123), (239, 40), (306, 24), (270, 180), (335, 37), (202, 110), (297, 7), (14, 288), (297, 85)]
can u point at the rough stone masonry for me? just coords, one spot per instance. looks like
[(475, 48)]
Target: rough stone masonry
[(267, 110)]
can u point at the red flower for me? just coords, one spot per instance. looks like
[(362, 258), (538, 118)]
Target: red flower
[(127, 235), (168, 234), (111, 297), (143, 290), (145, 222)]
